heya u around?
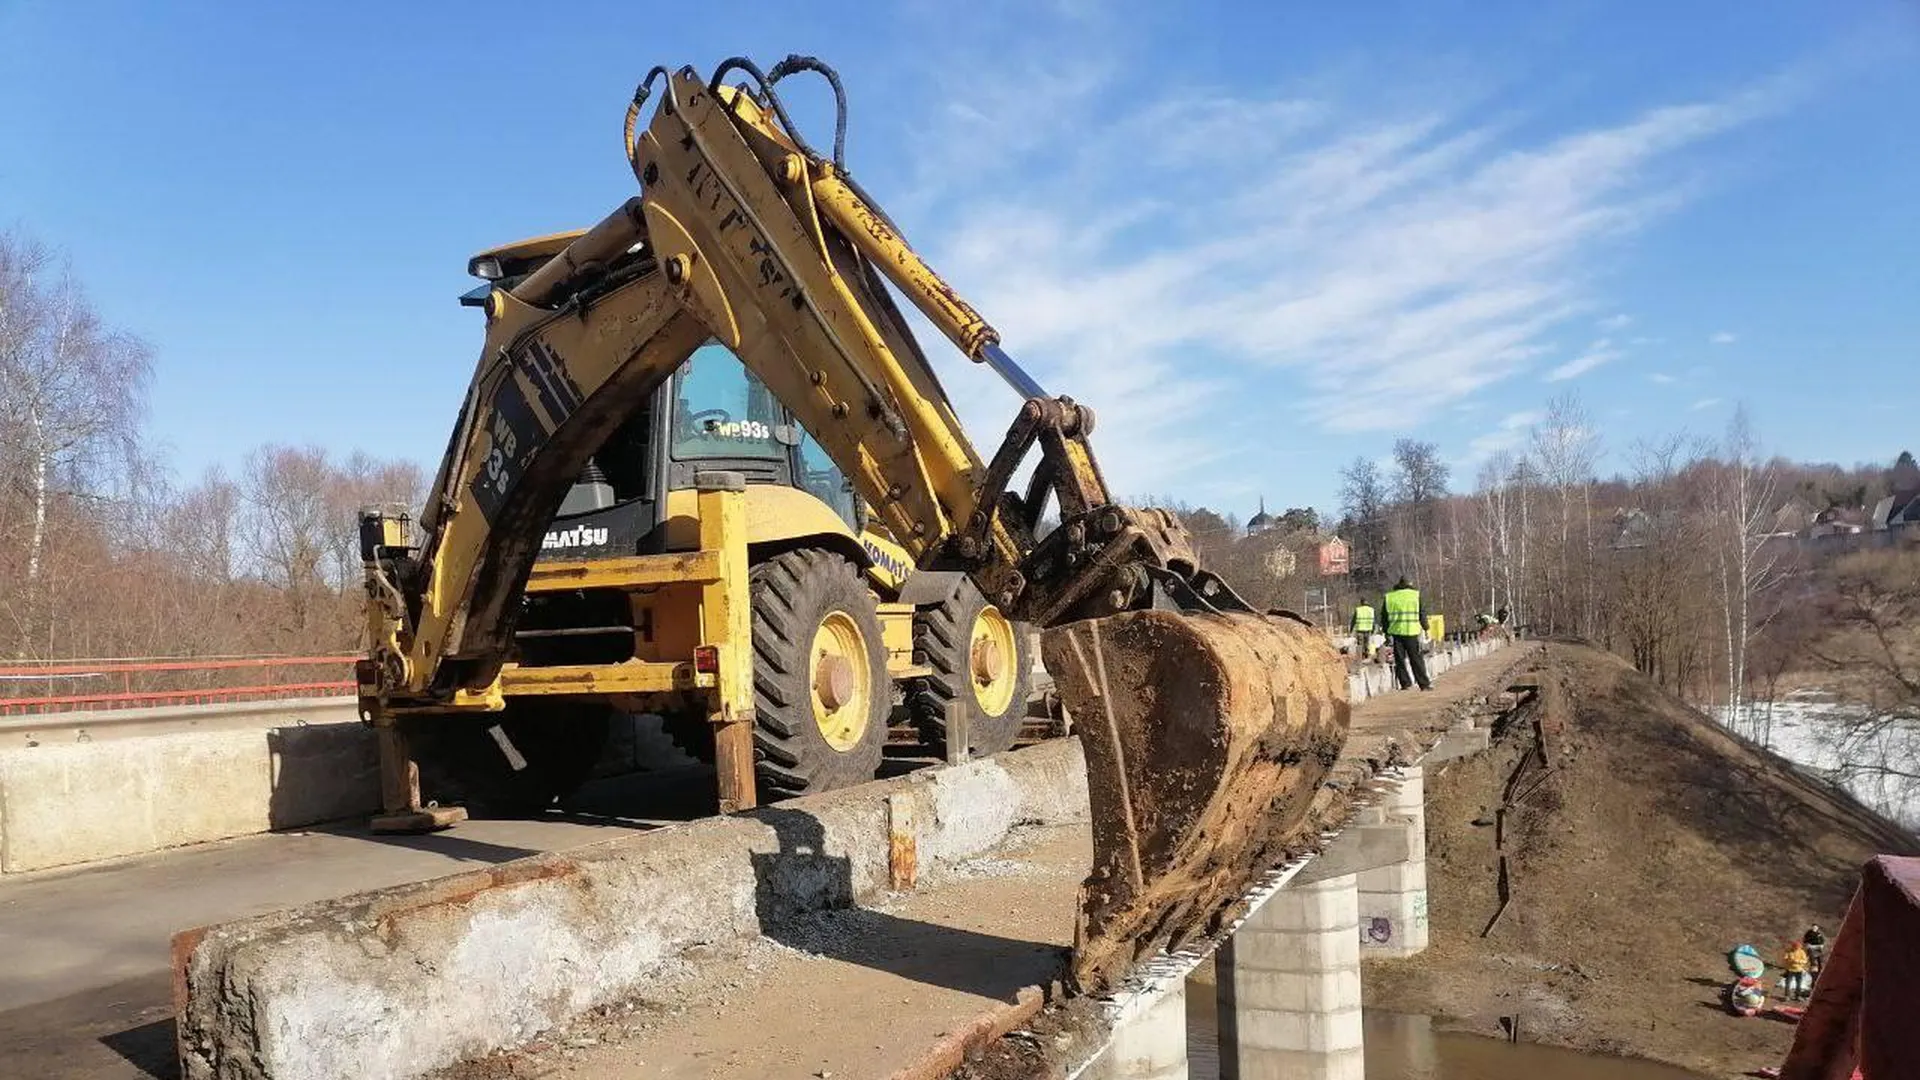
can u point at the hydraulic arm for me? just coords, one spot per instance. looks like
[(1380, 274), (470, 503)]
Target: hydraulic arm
[(1207, 725)]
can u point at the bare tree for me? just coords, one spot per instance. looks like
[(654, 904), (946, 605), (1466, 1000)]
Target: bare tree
[(1566, 447), (1873, 657), (72, 395), (290, 524), (1420, 475), (1740, 505), (1496, 517), (1654, 566), (203, 523), (1363, 498)]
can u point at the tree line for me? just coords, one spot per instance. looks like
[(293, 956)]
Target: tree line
[(1693, 561), (105, 553)]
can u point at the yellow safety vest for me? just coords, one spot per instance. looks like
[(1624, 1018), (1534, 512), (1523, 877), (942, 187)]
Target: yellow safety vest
[(1363, 619), (1403, 613)]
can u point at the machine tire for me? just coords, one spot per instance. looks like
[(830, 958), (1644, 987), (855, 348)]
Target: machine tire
[(798, 596), (943, 637), (462, 763)]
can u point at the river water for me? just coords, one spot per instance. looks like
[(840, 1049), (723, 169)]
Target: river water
[(1401, 1047), (1869, 755)]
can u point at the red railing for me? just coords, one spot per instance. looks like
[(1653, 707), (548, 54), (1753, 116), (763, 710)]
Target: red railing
[(128, 683)]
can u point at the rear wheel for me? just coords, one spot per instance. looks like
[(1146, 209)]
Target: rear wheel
[(821, 692), (514, 763), (980, 659)]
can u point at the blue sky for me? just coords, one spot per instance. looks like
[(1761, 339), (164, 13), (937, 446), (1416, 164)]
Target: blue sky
[(1259, 238)]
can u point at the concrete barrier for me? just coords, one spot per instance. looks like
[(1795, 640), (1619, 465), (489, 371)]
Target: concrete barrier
[(105, 725), (77, 802), (1372, 680), (403, 981), (84, 787)]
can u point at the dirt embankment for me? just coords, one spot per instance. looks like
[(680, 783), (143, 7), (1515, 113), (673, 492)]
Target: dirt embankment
[(1653, 844)]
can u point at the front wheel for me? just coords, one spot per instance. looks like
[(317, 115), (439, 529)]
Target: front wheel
[(820, 686)]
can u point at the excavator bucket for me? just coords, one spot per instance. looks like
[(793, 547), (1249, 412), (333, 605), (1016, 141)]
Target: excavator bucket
[(1206, 738)]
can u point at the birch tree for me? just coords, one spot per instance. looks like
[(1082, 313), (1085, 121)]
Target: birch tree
[(1567, 447), (72, 395), (1740, 508)]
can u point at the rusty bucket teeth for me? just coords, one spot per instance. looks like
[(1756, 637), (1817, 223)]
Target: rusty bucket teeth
[(1206, 738)]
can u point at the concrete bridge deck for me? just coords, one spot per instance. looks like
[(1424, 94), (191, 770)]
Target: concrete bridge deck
[(88, 991)]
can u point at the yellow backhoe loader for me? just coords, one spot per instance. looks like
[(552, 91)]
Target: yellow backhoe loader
[(816, 559), (704, 469)]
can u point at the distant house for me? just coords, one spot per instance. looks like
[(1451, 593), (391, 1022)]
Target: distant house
[(1633, 529), (1883, 513), (1900, 513), (1793, 516), (1261, 521), (1895, 511), (1839, 521), (1335, 559)]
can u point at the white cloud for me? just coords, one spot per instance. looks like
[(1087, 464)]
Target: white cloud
[(1600, 352), (1723, 338), (1615, 322), (1703, 403), (1662, 378), (1512, 431), (1198, 257)]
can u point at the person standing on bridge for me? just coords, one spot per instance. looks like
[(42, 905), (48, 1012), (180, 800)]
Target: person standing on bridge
[(1406, 614), (1362, 625)]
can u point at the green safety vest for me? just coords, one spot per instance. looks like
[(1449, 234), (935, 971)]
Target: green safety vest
[(1363, 619), (1403, 613)]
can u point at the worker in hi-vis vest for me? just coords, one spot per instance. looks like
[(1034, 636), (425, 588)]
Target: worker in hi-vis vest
[(1364, 626), (1405, 616)]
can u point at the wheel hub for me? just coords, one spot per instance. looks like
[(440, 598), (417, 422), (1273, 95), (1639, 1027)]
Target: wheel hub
[(833, 681), (991, 656), (842, 681), (987, 661)]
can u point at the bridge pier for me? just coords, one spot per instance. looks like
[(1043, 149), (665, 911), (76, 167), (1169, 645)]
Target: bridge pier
[(1393, 898), (1289, 987), (1151, 1045)]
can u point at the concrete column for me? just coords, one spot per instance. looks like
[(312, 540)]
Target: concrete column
[(1151, 1045), (1289, 986), (1393, 899)]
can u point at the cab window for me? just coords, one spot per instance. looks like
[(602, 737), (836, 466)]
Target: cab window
[(822, 479), (722, 411)]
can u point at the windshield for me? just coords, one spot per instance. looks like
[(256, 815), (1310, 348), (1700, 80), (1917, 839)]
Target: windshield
[(722, 411)]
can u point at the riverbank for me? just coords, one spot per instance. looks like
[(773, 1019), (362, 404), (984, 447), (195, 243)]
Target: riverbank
[(1654, 843)]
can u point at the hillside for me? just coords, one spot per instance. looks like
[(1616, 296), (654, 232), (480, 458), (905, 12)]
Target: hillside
[(1655, 842)]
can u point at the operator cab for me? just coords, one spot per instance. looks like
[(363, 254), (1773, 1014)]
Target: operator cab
[(712, 415)]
